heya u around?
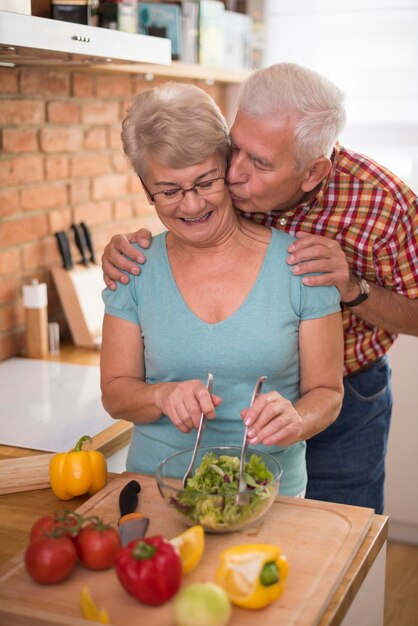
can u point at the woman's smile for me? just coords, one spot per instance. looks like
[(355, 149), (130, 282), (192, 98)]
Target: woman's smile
[(196, 220)]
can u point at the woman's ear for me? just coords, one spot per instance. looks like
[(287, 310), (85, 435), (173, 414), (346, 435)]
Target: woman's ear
[(315, 173)]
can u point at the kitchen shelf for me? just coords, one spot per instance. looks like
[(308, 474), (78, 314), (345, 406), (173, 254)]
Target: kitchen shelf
[(176, 70)]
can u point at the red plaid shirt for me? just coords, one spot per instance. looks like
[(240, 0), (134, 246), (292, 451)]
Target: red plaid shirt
[(373, 215)]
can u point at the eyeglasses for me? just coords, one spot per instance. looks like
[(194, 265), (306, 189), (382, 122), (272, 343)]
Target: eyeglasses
[(204, 188)]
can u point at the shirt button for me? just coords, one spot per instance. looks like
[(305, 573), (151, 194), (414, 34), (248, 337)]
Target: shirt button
[(283, 221)]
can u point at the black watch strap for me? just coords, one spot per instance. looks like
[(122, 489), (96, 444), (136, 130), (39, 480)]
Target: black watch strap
[(360, 298), (363, 295)]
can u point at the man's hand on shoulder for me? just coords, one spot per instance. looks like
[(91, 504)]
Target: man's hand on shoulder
[(120, 256), (318, 253)]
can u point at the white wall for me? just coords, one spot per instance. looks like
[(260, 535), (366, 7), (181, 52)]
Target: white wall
[(369, 48), (401, 491)]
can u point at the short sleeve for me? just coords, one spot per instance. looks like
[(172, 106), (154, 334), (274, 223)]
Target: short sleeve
[(123, 302), (318, 301)]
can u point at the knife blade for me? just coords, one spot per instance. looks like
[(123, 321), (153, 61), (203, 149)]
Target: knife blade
[(89, 241), (64, 248), (81, 243), (132, 524)]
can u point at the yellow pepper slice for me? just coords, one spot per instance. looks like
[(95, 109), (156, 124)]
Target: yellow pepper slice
[(191, 545), (90, 610), (78, 471), (253, 575)]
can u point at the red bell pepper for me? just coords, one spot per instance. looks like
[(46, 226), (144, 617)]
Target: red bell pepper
[(150, 569)]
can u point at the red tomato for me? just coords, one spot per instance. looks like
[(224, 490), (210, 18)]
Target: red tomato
[(97, 544), (50, 559), (55, 524)]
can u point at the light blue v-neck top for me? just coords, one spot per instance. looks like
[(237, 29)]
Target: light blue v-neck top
[(259, 338)]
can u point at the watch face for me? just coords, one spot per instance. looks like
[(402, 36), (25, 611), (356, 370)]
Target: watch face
[(364, 286)]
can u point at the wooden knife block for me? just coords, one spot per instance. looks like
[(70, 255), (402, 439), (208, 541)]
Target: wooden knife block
[(80, 293)]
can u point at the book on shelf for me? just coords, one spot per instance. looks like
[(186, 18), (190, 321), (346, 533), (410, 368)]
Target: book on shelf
[(190, 28), (211, 33), (238, 36), (162, 20)]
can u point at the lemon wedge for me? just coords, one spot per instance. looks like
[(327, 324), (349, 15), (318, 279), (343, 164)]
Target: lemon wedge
[(191, 545)]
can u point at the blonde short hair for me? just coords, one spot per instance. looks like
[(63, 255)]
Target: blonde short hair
[(290, 90), (177, 123)]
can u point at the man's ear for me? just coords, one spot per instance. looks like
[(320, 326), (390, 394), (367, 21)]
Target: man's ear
[(315, 173)]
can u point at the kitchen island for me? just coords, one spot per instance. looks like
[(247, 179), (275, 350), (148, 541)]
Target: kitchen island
[(356, 599)]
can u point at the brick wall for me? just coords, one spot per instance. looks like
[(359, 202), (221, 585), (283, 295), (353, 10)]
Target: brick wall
[(61, 162)]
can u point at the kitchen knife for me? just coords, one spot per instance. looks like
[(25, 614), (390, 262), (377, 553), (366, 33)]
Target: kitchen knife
[(81, 243), (132, 524), (89, 241), (64, 248)]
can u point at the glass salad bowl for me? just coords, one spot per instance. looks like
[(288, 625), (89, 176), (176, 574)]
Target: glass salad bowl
[(210, 497)]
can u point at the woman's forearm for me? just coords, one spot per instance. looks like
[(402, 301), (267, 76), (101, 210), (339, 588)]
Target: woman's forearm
[(131, 399), (318, 409)]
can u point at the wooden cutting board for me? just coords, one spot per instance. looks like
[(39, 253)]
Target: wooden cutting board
[(319, 539)]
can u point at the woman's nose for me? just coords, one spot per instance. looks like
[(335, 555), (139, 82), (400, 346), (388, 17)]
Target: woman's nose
[(192, 200)]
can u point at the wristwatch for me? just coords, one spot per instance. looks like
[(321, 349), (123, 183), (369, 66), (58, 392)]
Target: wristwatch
[(363, 295)]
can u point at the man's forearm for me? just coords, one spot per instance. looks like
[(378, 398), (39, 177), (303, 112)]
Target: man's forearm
[(386, 309)]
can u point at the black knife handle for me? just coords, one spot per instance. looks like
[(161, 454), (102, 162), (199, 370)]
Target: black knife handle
[(89, 241), (128, 497), (64, 248), (81, 242)]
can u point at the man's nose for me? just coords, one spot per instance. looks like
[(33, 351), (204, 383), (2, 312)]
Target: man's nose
[(236, 172)]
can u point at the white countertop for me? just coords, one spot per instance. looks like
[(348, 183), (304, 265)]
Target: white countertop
[(47, 405)]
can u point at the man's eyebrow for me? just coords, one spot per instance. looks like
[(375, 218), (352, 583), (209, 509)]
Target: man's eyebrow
[(254, 157), (260, 160)]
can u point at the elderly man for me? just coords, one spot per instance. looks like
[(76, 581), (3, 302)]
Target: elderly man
[(357, 228)]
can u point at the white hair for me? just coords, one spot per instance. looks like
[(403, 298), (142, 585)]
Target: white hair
[(287, 90), (177, 123)]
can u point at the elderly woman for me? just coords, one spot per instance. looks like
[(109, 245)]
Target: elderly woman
[(215, 294)]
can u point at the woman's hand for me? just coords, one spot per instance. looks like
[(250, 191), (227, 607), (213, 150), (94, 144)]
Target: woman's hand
[(184, 402), (119, 254), (273, 421)]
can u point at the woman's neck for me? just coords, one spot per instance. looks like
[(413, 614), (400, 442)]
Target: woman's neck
[(237, 234)]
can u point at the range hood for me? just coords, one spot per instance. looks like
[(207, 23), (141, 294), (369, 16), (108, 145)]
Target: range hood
[(30, 40)]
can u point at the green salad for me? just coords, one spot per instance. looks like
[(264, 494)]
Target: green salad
[(219, 476)]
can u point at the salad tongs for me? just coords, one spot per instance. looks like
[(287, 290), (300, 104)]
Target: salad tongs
[(242, 497), (189, 471)]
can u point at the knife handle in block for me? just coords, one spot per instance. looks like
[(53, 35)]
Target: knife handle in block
[(89, 241), (64, 248), (81, 243)]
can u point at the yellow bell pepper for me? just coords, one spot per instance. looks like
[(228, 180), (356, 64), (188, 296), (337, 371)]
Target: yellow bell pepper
[(253, 575), (78, 471), (191, 545)]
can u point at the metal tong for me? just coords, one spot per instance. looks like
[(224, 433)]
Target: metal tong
[(242, 498), (189, 471)]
